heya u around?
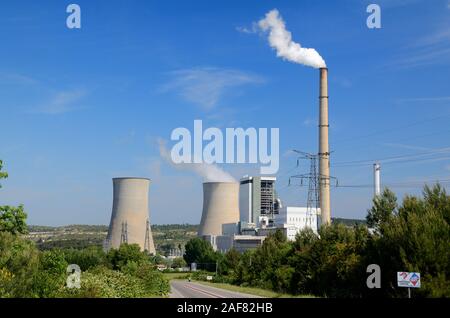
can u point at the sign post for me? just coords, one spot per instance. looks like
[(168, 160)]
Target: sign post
[(409, 280)]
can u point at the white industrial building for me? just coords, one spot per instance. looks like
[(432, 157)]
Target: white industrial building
[(295, 219)]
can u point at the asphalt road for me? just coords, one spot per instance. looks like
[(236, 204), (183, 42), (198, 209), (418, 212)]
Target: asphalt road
[(185, 289)]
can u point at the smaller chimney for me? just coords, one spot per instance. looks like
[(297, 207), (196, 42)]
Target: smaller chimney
[(376, 179)]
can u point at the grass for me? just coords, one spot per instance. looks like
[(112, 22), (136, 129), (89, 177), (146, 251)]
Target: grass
[(253, 290), (176, 275)]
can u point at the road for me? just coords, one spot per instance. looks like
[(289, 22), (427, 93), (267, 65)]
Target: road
[(185, 289)]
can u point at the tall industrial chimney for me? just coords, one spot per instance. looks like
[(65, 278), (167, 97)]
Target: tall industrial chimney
[(376, 179), (130, 216), (220, 206), (324, 149)]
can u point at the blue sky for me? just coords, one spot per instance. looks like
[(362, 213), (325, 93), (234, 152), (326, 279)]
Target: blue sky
[(79, 107)]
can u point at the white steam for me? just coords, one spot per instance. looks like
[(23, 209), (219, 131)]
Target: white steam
[(281, 40), (209, 173)]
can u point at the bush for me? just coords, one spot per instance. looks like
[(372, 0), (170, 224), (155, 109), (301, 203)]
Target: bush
[(119, 258), (87, 258)]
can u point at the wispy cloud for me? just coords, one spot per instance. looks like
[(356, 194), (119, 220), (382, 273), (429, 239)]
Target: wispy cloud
[(205, 86), (424, 99), (62, 102), (431, 48), (248, 30), (16, 79), (308, 122), (404, 146)]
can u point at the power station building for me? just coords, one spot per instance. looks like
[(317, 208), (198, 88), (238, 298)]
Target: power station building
[(130, 220), (260, 213), (257, 200)]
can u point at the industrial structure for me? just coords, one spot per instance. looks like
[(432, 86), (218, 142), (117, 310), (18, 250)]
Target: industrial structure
[(324, 150), (376, 179), (220, 206), (130, 221), (257, 200), (259, 214)]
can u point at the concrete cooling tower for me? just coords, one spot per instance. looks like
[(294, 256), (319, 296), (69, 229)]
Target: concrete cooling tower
[(220, 206), (130, 221)]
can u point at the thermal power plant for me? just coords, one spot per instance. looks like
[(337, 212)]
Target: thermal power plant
[(220, 206), (377, 179), (257, 199), (130, 221), (324, 150)]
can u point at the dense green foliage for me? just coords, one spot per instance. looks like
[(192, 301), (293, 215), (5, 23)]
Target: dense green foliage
[(12, 219), (27, 272), (200, 252), (3, 174), (412, 237)]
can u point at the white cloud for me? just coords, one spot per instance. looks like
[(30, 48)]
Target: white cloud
[(62, 102), (205, 86), (253, 29)]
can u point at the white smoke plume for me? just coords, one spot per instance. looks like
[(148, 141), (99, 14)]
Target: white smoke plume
[(281, 40), (209, 173)]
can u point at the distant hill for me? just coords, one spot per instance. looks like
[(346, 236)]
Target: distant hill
[(348, 222), (167, 237)]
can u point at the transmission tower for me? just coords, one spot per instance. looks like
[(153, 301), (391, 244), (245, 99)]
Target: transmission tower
[(314, 179), (148, 244), (124, 234)]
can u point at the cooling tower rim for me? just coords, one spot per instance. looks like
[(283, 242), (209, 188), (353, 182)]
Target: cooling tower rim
[(131, 178)]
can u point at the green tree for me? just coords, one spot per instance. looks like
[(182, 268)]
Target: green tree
[(12, 219), (19, 263), (179, 262), (384, 207), (86, 258), (417, 239), (200, 251), (125, 254), (3, 175)]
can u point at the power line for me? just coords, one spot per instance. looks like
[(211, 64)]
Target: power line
[(393, 158), (405, 184), (409, 138), (380, 132)]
